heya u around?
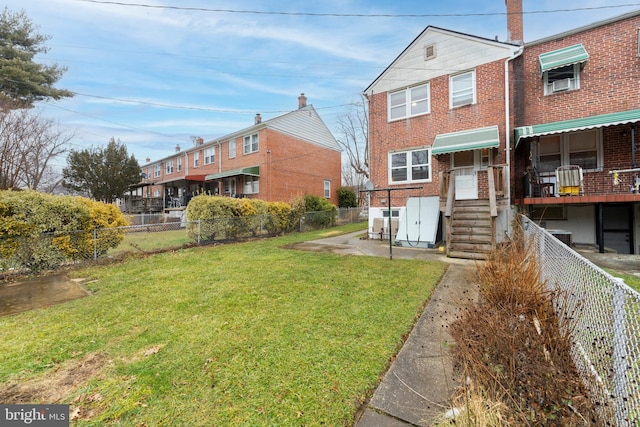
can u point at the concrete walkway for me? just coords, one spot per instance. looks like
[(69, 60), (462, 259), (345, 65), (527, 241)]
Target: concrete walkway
[(416, 389)]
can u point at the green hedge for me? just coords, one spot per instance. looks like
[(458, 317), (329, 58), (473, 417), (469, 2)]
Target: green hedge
[(40, 231), (227, 218)]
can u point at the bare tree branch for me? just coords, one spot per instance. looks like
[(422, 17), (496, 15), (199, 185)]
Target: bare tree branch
[(353, 138), (28, 146)]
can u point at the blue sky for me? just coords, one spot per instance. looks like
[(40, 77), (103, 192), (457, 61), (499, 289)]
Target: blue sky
[(156, 77)]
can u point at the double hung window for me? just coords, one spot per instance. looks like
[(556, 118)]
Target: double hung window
[(409, 102), (463, 89), (410, 166), (250, 144)]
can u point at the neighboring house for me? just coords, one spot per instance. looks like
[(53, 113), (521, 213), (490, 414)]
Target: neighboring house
[(546, 128), (438, 132), (577, 112), (273, 160)]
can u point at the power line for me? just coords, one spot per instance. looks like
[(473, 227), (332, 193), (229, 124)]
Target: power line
[(116, 123), (352, 15)]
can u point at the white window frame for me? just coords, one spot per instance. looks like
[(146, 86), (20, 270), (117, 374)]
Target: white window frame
[(156, 193), (251, 184), (250, 144), (456, 91), (169, 167), (209, 155), (156, 171), (327, 189), (232, 148), (408, 165), (196, 159), (574, 82), (179, 164), (406, 101), (565, 150)]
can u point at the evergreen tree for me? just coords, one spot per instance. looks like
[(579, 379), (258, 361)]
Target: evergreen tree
[(23, 81), (103, 174)]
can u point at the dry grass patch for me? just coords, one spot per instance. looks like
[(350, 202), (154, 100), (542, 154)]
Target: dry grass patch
[(516, 349), (56, 386)]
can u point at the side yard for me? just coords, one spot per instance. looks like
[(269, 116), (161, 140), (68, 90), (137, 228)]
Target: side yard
[(237, 334)]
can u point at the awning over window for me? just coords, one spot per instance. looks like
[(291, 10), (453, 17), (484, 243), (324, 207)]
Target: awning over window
[(575, 54), (252, 171), (584, 123), (473, 139)]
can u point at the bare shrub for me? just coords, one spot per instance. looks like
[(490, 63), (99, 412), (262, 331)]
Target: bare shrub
[(514, 347)]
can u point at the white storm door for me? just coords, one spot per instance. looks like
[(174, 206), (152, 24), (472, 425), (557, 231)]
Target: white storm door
[(466, 176)]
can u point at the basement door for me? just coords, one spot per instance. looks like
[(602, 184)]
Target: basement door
[(466, 176), (617, 228)]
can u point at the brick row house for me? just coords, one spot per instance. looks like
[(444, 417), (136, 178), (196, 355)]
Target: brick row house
[(273, 160), (576, 145), (438, 124), (467, 131)]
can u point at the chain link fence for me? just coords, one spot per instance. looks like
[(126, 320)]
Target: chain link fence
[(602, 315), (157, 233)]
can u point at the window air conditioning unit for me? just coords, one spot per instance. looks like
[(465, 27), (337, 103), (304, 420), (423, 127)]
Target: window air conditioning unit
[(560, 85)]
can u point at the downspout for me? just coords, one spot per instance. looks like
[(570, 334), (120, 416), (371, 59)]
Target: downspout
[(507, 99)]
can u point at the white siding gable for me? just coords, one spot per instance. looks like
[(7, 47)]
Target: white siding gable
[(453, 52)]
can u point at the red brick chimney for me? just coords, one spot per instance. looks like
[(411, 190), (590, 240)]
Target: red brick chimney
[(515, 31), (258, 119), (302, 101), (177, 148), (199, 141)]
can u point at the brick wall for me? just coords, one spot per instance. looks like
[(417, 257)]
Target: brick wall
[(608, 82), (421, 131), (289, 167)]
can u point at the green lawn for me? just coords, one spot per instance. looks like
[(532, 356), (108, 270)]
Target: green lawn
[(239, 334)]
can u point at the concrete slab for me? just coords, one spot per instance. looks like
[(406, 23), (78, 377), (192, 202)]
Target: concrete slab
[(419, 383)]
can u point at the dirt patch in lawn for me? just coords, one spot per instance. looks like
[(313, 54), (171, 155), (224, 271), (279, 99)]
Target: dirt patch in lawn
[(56, 386)]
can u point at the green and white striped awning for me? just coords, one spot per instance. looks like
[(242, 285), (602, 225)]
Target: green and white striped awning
[(575, 54), (252, 171), (572, 125), (473, 139)]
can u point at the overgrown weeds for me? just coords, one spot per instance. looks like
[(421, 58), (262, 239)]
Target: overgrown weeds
[(515, 351)]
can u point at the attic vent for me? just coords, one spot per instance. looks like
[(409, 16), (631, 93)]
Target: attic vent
[(429, 52)]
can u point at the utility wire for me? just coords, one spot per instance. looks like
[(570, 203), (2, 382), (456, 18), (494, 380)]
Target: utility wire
[(350, 15)]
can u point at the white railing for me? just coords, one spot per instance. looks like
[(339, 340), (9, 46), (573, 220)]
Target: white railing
[(603, 315)]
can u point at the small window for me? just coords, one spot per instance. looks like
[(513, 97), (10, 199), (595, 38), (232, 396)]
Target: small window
[(251, 184), (250, 144), (156, 171), (327, 189), (583, 149), (196, 159), (550, 153), (562, 79), (410, 166), (232, 148), (169, 167), (463, 89), (179, 164), (409, 102), (209, 155), (395, 213)]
